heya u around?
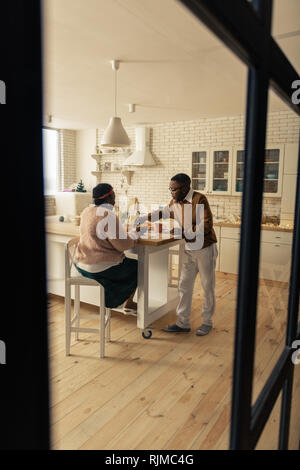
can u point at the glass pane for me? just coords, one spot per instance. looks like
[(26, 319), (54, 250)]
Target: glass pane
[(196, 157), (294, 437), (239, 170), (220, 170), (239, 186), (220, 185), (272, 155), (270, 186), (198, 184), (241, 156), (199, 157), (203, 108), (271, 170), (272, 160), (199, 170), (268, 439), (221, 156), (276, 240), (285, 29)]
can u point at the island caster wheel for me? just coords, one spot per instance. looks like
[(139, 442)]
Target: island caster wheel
[(147, 334)]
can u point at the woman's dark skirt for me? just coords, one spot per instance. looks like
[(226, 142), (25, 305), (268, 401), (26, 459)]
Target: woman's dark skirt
[(119, 281)]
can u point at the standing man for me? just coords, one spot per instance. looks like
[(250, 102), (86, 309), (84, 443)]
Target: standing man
[(200, 259)]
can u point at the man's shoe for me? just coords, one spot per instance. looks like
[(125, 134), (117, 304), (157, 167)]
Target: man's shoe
[(176, 329), (203, 330)]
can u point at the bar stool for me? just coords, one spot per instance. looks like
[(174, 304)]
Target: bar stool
[(77, 281)]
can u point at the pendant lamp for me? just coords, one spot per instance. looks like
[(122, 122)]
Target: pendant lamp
[(115, 134)]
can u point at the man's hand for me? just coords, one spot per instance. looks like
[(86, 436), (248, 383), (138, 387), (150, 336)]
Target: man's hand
[(136, 222), (140, 219), (140, 229)]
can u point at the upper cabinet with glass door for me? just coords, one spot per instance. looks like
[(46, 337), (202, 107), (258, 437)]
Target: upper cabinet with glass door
[(238, 171), (220, 170), (272, 171), (200, 169)]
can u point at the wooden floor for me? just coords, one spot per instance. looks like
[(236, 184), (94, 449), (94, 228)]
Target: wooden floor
[(169, 392)]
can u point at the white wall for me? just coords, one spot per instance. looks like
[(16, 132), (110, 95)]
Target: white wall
[(85, 146)]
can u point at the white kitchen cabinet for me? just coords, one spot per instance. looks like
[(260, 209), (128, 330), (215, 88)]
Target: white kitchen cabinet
[(273, 171), (229, 258), (289, 183), (211, 170), (287, 208), (229, 249), (200, 170), (275, 261), (275, 253), (274, 236), (220, 170), (217, 230), (291, 153), (238, 160)]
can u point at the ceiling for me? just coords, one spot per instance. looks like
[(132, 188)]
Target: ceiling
[(172, 67)]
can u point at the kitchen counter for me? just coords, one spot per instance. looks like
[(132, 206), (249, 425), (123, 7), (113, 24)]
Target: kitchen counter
[(276, 228), (69, 229)]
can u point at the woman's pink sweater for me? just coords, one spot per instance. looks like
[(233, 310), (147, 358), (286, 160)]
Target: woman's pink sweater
[(102, 237)]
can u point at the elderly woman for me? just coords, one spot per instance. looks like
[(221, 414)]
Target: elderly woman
[(100, 251)]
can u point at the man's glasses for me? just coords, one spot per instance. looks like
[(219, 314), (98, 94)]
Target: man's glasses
[(172, 190)]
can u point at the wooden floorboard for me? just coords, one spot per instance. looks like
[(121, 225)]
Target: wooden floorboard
[(169, 392)]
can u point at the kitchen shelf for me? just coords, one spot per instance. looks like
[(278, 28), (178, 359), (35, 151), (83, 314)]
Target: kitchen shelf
[(111, 154), (96, 173)]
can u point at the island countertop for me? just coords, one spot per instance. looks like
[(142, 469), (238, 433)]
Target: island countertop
[(71, 230)]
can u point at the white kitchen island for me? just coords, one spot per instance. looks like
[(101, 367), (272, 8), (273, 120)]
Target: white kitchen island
[(155, 295)]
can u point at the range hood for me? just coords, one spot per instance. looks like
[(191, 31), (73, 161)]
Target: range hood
[(142, 155)]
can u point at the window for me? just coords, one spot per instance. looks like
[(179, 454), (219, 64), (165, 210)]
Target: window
[(50, 159)]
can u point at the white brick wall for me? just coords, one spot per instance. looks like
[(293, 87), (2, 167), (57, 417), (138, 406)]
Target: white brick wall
[(50, 208), (172, 144), (68, 158)]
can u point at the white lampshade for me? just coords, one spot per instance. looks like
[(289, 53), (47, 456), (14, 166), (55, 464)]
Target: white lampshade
[(115, 134)]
